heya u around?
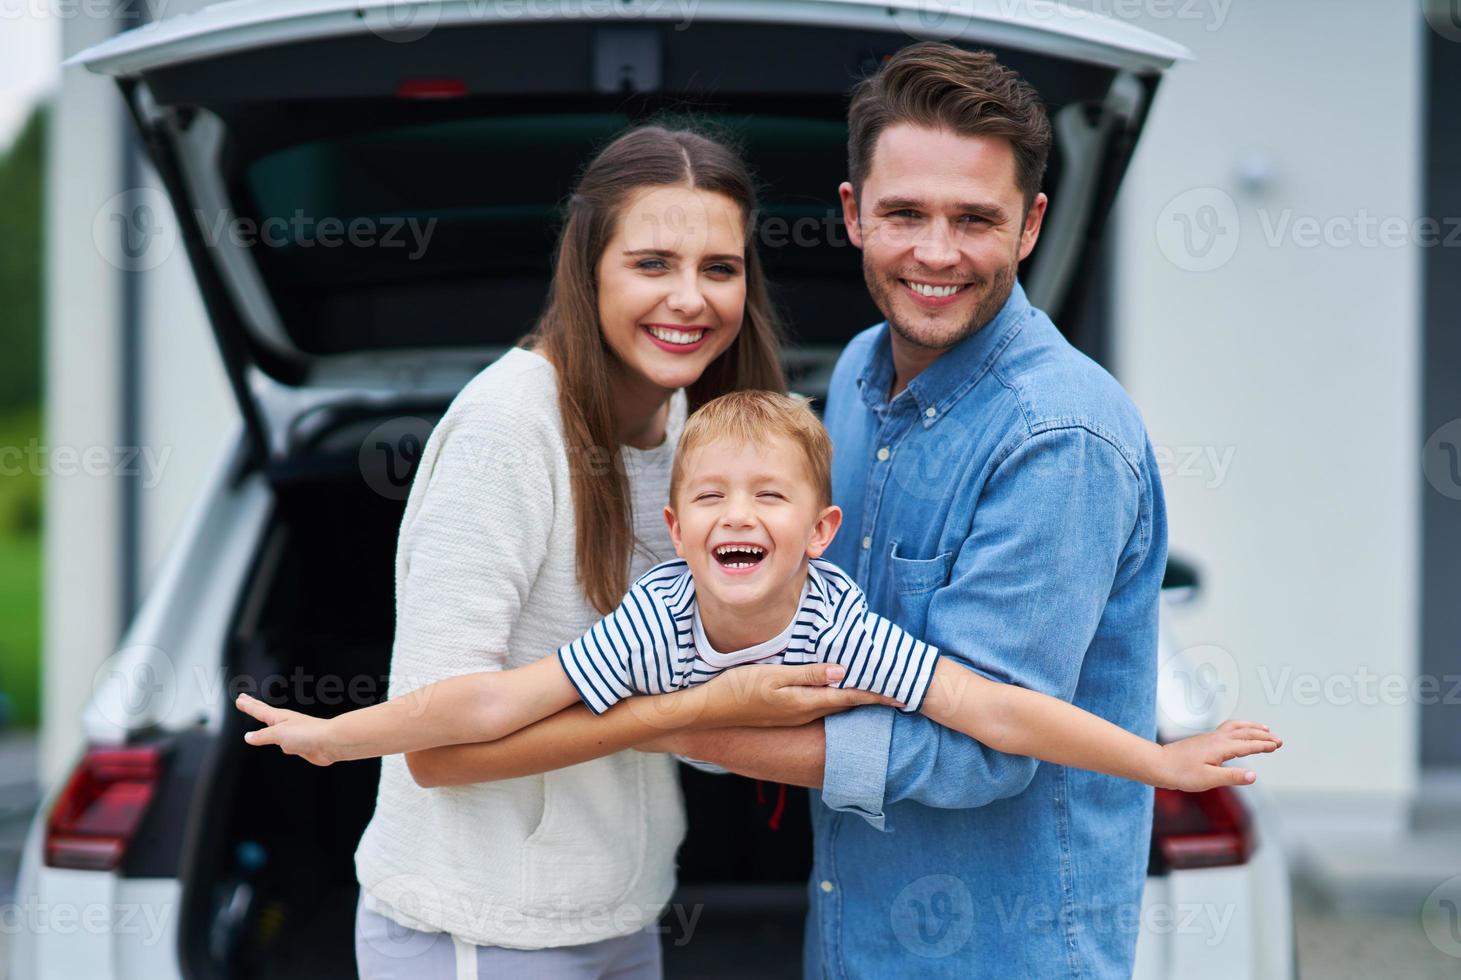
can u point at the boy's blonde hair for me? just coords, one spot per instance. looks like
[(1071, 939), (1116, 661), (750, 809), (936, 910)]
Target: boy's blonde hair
[(751, 416)]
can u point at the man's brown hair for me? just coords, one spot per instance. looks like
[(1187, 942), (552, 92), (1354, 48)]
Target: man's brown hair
[(940, 86)]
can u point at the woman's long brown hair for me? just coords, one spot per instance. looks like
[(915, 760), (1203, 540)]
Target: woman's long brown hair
[(569, 335)]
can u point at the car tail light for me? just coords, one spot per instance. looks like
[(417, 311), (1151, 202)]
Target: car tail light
[(99, 811), (1210, 829), (431, 88)]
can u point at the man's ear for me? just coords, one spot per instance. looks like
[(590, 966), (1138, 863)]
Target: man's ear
[(824, 531), (849, 213), (674, 525), (1030, 233)]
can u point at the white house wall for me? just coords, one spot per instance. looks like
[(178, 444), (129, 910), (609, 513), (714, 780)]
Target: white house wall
[(1280, 377)]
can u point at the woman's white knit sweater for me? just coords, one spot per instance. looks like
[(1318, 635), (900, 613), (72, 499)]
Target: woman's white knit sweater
[(486, 579)]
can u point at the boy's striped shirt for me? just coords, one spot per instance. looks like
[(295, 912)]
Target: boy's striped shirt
[(653, 643)]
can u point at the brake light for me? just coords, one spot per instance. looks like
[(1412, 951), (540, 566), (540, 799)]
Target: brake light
[(99, 811), (431, 88), (1210, 829)]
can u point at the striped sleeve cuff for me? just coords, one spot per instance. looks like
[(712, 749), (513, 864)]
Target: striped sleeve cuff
[(889, 661), (919, 675), (596, 685)]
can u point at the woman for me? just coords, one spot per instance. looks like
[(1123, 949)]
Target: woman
[(537, 500)]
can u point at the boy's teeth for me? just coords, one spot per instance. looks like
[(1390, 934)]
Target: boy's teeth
[(748, 548), (924, 289), (677, 336)]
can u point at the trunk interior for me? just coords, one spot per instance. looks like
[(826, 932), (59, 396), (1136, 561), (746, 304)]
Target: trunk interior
[(269, 881)]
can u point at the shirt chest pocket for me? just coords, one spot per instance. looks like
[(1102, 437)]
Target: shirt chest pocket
[(914, 582)]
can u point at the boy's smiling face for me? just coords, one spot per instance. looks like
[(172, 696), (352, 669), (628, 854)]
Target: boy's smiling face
[(745, 518)]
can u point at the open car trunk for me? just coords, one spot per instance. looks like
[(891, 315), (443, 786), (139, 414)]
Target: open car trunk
[(448, 137)]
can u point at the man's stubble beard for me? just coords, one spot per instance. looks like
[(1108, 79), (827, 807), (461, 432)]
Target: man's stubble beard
[(992, 300)]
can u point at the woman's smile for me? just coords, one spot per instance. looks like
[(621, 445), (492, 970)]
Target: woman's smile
[(677, 339)]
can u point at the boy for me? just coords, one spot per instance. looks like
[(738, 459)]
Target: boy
[(750, 515)]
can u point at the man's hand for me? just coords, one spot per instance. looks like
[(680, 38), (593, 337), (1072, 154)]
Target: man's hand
[(780, 696), (1196, 764), (296, 734)]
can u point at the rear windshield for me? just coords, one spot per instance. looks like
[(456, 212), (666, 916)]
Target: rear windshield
[(456, 202), (454, 224)]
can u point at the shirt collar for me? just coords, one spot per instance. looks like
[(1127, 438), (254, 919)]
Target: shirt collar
[(762, 650), (950, 377)]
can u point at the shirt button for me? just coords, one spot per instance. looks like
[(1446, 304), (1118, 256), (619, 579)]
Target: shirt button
[(826, 886), (930, 411), (867, 542), (883, 455)]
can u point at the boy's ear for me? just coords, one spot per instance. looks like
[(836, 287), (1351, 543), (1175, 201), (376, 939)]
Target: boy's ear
[(674, 525), (824, 531)]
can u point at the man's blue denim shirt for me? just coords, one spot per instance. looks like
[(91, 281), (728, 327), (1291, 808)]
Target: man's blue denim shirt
[(1006, 507)]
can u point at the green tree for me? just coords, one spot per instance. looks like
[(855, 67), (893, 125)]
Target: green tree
[(22, 175)]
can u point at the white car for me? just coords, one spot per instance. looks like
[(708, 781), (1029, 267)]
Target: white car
[(367, 192)]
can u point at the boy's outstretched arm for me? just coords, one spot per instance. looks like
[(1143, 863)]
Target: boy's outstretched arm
[(1012, 719), (476, 707)]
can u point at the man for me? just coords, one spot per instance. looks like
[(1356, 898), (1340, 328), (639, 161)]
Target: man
[(1001, 501)]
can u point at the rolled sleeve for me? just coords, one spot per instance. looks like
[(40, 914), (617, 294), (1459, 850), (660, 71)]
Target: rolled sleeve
[(855, 771)]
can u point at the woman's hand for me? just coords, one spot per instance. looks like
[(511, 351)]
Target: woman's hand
[(779, 696), (1196, 764), (296, 734)]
